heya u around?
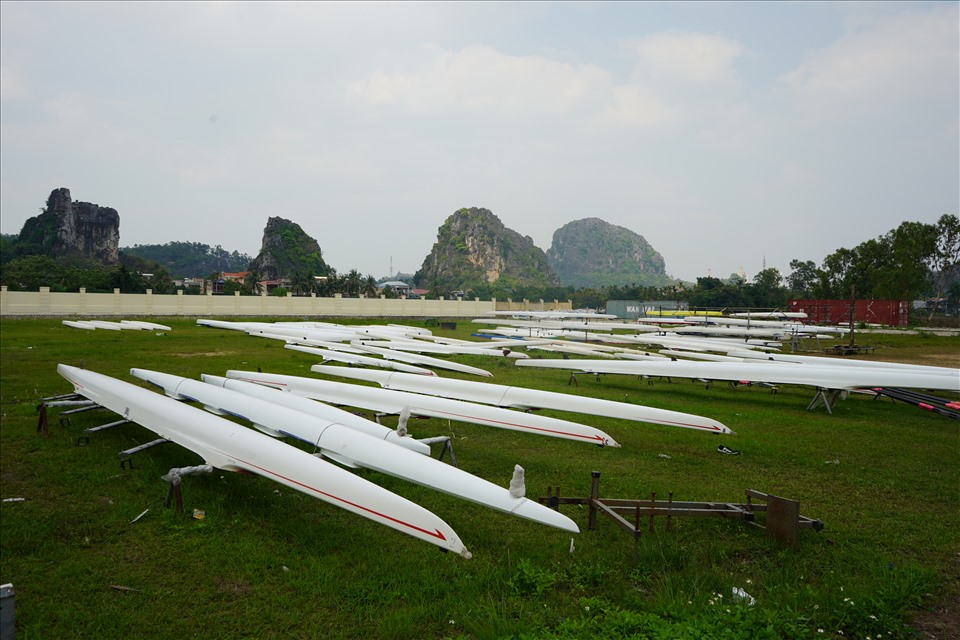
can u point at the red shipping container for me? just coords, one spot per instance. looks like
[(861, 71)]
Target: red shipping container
[(893, 313)]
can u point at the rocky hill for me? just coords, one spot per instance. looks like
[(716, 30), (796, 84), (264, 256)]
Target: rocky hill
[(474, 249), (286, 250), (75, 229), (595, 253)]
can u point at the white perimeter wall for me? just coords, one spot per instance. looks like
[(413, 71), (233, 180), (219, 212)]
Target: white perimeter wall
[(47, 303)]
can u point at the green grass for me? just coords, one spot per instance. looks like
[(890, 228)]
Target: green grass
[(268, 562)]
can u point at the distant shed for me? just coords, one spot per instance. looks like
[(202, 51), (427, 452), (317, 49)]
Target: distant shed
[(398, 286), (893, 313), (625, 309)]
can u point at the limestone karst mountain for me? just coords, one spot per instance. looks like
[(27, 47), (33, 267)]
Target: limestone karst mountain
[(474, 249), (286, 250), (72, 228), (594, 253)]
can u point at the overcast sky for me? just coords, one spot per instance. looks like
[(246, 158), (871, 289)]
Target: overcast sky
[(728, 135)]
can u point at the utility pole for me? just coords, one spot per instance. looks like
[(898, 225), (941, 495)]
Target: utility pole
[(853, 306)]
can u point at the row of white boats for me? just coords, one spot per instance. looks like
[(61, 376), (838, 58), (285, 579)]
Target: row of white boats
[(652, 351), (281, 406), (110, 325), (350, 440)]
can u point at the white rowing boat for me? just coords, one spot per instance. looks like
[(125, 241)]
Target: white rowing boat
[(232, 447), (280, 416), (419, 346), (774, 373), (352, 358), (396, 402), (79, 324), (523, 398), (418, 359), (323, 411)]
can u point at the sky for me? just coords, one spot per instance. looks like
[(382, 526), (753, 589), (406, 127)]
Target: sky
[(731, 136)]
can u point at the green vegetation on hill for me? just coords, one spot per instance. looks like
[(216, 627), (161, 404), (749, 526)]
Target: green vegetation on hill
[(190, 259), (288, 250), (8, 247), (595, 253), (475, 253), (29, 273), (38, 236)]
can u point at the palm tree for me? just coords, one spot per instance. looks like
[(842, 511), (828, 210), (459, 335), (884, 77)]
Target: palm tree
[(369, 287), (252, 280), (301, 283), (333, 283), (353, 283)]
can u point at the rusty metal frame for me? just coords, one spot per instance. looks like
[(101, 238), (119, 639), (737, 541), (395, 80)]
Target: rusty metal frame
[(781, 516)]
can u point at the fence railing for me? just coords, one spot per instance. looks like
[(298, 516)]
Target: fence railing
[(54, 303)]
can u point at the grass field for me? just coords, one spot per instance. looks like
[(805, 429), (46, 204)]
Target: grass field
[(268, 562)]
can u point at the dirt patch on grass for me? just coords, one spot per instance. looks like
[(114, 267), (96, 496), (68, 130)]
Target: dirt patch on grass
[(942, 359), (941, 622), (203, 353), (233, 587), (932, 359)]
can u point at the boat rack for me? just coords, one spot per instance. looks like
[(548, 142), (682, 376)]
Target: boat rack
[(828, 398), (63, 400), (848, 349), (934, 404), (781, 517)]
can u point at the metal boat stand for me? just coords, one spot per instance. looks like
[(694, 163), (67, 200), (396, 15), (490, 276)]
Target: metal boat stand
[(63, 400), (765, 385), (174, 492), (598, 377), (126, 456), (781, 516), (447, 444), (826, 397), (85, 439), (447, 447)]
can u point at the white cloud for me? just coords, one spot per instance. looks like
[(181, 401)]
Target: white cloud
[(69, 110), (201, 167), (684, 59), (903, 58), (633, 106), (795, 176), (12, 84), (480, 81), (483, 80), (683, 78)]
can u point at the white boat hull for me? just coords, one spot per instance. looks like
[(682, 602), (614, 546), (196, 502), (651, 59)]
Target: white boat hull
[(352, 358), (416, 359), (278, 411), (810, 375), (77, 324), (394, 402), (523, 398), (233, 447)]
